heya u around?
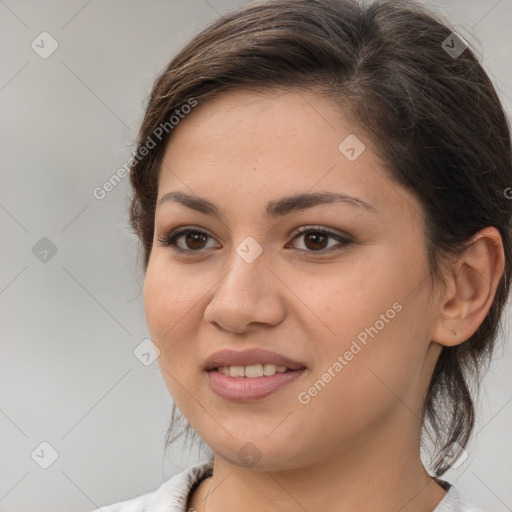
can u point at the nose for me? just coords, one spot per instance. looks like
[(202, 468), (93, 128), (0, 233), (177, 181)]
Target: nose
[(249, 294)]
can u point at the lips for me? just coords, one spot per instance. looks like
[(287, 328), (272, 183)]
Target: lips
[(229, 357), (243, 389)]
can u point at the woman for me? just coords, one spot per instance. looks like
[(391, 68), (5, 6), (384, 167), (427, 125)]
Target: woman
[(320, 192)]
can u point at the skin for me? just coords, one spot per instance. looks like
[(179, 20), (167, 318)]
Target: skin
[(355, 445)]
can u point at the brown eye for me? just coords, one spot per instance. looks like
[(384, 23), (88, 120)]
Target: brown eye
[(193, 240), (317, 240)]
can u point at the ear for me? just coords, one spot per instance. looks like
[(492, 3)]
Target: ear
[(471, 285)]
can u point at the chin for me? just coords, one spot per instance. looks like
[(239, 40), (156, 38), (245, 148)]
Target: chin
[(258, 455)]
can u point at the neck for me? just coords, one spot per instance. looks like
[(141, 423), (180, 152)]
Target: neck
[(372, 473)]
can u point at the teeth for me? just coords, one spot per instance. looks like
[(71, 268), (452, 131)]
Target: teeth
[(253, 370), (236, 371)]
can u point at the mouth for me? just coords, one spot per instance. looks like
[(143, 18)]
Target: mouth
[(251, 383), (254, 371), (251, 359), (253, 374)]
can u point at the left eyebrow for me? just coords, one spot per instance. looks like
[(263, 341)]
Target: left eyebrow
[(275, 208), (290, 204)]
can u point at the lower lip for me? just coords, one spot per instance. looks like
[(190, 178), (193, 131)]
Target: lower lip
[(243, 389)]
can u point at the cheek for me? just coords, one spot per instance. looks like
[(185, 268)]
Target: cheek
[(380, 367), (347, 298), (371, 319), (168, 295), (157, 300), (165, 303), (173, 308)]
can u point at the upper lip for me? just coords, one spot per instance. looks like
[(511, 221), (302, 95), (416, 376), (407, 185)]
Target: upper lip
[(228, 357)]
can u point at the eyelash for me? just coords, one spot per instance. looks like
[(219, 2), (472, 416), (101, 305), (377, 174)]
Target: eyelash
[(170, 239)]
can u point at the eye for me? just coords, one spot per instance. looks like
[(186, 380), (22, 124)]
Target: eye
[(190, 240), (315, 239), (194, 240)]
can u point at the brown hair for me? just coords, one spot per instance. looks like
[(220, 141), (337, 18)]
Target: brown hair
[(434, 118)]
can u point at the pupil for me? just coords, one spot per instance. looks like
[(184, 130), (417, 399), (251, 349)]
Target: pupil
[(316, 238), (194, 238)]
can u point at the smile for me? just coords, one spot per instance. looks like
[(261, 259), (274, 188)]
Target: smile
[(246, 389)]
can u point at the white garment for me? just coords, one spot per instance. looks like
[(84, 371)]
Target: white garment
[(173, 495)]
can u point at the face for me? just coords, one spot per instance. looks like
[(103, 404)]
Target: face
[(339, 286)]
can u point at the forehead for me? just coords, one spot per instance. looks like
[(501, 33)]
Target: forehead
[(251, 146), (248, 119)]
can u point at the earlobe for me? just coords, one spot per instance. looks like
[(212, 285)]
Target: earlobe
[(471, 287)]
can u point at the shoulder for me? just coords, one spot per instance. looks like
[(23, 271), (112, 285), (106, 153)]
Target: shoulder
[(453, 502), (171, 496)]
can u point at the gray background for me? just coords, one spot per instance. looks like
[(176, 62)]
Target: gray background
[(70, 324)]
